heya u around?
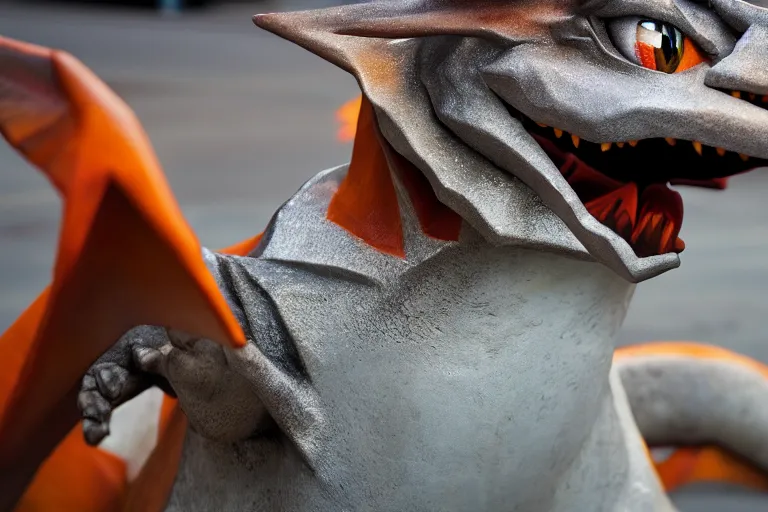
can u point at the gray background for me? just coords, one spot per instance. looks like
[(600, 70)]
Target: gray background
[(240, 119)]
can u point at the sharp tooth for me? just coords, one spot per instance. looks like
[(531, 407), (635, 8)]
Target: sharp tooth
[(697, 147), (558, 133), (542, 125), (736, 94), (620, 144), (640, 228), (575, 140), (720, 151), (671, 141), (633, 143), (656, 220), (606, 146), (743, 157)]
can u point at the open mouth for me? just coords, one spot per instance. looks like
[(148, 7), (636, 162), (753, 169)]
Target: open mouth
[(625, 185)]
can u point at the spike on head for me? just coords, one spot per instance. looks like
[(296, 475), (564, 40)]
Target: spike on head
[(332, 33)]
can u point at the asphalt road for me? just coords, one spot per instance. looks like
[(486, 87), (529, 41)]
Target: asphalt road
[(240, 119)]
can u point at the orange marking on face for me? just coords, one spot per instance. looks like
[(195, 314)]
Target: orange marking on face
[(366, 202)]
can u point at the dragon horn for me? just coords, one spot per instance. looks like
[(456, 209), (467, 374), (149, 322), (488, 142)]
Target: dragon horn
[(335, 33)]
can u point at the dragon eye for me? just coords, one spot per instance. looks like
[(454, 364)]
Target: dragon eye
[(659, 46), (655, 45)]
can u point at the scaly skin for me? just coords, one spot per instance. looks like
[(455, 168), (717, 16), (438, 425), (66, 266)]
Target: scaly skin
[(432, 326)]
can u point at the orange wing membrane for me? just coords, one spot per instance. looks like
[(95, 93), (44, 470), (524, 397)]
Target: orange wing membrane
[(126, 256)]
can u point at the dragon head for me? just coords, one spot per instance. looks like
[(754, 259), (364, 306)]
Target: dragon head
[(596, 105)]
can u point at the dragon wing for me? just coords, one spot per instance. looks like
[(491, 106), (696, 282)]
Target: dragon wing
[(125, 256)]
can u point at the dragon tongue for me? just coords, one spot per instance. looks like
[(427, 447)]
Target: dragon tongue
[(659, 222)]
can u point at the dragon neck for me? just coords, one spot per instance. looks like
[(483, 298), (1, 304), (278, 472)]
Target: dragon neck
[(367, 203)]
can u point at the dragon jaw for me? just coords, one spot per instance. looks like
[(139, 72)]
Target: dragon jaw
[(625, 184), (457, 87)]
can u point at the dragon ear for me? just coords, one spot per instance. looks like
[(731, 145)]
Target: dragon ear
[(346, 35)]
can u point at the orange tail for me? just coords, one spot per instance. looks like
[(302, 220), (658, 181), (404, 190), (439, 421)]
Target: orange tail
[(708, 464)]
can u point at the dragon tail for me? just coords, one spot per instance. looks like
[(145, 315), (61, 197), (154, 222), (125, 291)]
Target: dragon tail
[(705, 406)]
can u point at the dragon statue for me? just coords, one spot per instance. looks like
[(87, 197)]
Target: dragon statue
[(428, 328)]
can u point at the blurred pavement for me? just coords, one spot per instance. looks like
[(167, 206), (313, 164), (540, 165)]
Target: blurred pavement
[(240, 119)]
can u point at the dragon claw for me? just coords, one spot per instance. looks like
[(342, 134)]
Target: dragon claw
[(95, 431), (130, 367)]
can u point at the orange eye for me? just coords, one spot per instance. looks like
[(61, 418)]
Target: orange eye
[(654, 44), (663, 47), (692, 55)]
